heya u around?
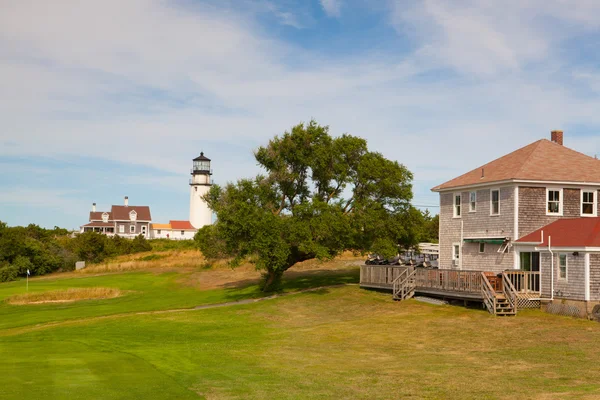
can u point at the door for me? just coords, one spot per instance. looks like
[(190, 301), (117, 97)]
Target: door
[(530, 262)]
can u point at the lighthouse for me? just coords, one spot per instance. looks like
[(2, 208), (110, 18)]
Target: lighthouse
[(200, 184)]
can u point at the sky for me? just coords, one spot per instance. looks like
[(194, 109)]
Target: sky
[(105, 99)]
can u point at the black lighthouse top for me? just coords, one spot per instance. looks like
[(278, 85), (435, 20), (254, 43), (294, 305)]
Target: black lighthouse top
[(201, 165)]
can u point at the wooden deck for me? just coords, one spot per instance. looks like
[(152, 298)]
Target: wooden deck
[(436, 282), (509, 289)]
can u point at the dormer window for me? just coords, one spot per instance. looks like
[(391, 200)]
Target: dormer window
[(105, 217), (132, 215)]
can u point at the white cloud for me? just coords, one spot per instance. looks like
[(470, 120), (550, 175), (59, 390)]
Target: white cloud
[(333, 8), (147, 83)]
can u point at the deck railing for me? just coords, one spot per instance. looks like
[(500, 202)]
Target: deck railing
[(449, 280), (381, 276), (524, 282)]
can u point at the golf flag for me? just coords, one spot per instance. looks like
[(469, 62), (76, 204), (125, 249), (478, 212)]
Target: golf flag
[(28, 273)]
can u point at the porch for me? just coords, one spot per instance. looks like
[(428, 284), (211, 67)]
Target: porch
[(502, 294)]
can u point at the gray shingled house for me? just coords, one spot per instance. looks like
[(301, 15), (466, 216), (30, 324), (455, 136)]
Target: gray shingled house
[(519, 231)]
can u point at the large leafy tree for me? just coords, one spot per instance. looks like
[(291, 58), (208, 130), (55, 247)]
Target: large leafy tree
[(319, 196)]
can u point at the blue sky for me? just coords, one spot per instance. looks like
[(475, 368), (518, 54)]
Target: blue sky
[(99, 100)]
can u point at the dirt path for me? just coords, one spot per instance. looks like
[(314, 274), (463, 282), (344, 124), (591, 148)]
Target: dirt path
[(25, 329)]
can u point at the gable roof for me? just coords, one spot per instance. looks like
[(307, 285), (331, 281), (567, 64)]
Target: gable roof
[(540, 161), (181, 225), (97, 215), (121, 213), (572, 232)]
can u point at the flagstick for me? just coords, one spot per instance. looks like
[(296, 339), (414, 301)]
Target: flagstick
[(27, 282)]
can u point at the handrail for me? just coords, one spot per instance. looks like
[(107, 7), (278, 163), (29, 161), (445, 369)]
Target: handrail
[(489, 294), (524, 281), (400, 286), (396, 282), (509, 291)]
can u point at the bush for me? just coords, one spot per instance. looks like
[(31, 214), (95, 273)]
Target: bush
[(44, 251), (8, 273)]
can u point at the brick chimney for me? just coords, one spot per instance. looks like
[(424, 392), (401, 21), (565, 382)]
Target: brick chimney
[(93, 207), (557, 137), (127, 198)]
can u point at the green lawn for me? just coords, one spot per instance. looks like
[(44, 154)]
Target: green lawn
[(334, 343), (148, 291)]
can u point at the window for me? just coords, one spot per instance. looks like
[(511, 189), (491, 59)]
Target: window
[(456, 205), (132, 229), (588, 203), (495, 202), (562, 266), (554, 201), (144, 230), (182, 233), (104, 217), (158, 232), (482, 247), (472, 201), (121, 228), (133, 215), (456, 252)]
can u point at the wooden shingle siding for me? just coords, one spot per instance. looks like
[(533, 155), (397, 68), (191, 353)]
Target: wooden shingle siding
[(479, 223), (595, 277), (532, 208), (574, 287)]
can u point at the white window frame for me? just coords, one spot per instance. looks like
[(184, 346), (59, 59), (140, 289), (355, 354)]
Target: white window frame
[(473, 201), (457, 256), (105, 215), (481, 245), (132, 215), (121, 228), (492, 202), (131, 228), (566, 277), (594, 203), (456, 207), (561, 200)]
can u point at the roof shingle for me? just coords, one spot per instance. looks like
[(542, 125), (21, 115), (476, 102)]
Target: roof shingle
[(121, 213), (540, 161)]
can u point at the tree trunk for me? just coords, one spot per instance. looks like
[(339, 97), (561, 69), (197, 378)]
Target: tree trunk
[(271, 278)]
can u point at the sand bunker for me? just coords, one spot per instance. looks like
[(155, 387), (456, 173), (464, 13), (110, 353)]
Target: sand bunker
[(65, 295)]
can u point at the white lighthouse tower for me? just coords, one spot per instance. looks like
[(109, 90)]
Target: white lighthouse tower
[(200, 184)]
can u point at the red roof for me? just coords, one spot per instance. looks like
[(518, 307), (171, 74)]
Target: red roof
[(572, 232), (540, 161), (97, 215), (100, 224), (181, 225), (121, 213)]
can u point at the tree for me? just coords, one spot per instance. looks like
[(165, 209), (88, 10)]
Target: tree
[(318, 197)]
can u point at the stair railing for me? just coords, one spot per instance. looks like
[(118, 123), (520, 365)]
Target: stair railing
[(510, 292), (404, 284), (489, 294)]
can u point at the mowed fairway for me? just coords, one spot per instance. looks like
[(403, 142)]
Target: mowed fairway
[(333, 343)]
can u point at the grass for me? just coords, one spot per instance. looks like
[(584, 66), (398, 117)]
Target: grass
[(337, 342)]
